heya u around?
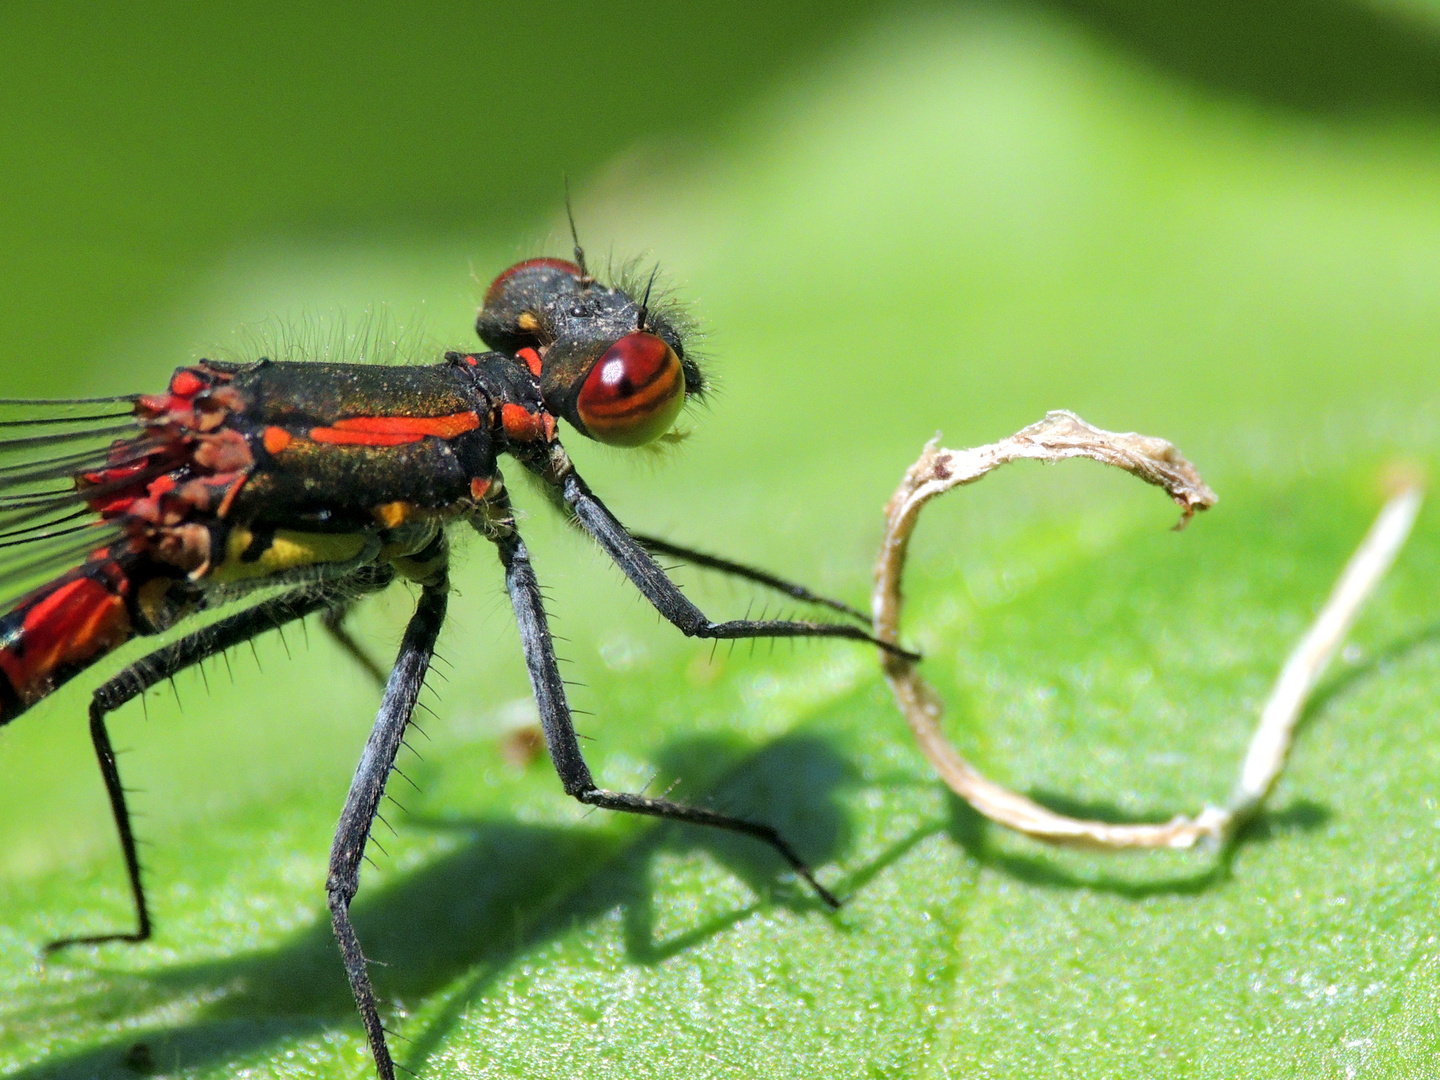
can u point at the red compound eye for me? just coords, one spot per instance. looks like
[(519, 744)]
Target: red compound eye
[(633, 393)]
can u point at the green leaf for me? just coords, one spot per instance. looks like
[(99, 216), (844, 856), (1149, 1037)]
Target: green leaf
[(954, 222)]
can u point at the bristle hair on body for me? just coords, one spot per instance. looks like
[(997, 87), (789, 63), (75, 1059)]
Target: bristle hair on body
[(635, 276), (376, 337)]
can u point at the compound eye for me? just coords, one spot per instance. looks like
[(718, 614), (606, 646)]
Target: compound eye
[(633, 393)]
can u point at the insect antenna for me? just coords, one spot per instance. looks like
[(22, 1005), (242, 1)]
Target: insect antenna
[(585, 279), (645, 302)]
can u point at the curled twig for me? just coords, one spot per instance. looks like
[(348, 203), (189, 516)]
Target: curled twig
[(1064, 435)]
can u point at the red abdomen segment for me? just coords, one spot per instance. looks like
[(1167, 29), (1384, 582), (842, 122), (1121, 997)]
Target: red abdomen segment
[(59, 630)]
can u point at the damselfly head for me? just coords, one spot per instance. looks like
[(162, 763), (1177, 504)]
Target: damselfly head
[(610, 364)]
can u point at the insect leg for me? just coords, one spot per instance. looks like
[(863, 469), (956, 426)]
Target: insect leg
[(334, 622), (401, 691), (159, 666), (647, 576), (560, 735), (656, 546)]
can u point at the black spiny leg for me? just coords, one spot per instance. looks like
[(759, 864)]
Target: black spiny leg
[(560, 732), (401, 691), (159, 666), (647, 576), (656, 546)]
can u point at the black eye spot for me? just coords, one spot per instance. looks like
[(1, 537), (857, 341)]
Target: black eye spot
[(578, 312)]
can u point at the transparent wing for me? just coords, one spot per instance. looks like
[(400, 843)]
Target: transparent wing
[(60, 460)]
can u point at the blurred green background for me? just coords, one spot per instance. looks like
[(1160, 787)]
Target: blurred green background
[(1214, 221)]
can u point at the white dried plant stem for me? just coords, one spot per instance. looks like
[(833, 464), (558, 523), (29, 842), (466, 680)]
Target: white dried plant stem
[(1270, 745), (1064, 435)]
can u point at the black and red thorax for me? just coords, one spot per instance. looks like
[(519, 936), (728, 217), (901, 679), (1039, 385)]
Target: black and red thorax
[(244, 475), (271, 473)]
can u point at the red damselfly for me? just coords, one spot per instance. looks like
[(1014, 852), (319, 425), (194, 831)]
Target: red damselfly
[(286, 489)]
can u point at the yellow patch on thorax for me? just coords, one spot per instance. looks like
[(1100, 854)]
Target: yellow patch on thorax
[(287, 550)]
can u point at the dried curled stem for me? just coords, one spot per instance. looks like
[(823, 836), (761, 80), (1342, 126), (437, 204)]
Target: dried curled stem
[(1064, 435)]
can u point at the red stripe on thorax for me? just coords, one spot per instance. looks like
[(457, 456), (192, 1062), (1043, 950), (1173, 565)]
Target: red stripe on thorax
[(394, 430), (359, 438)]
